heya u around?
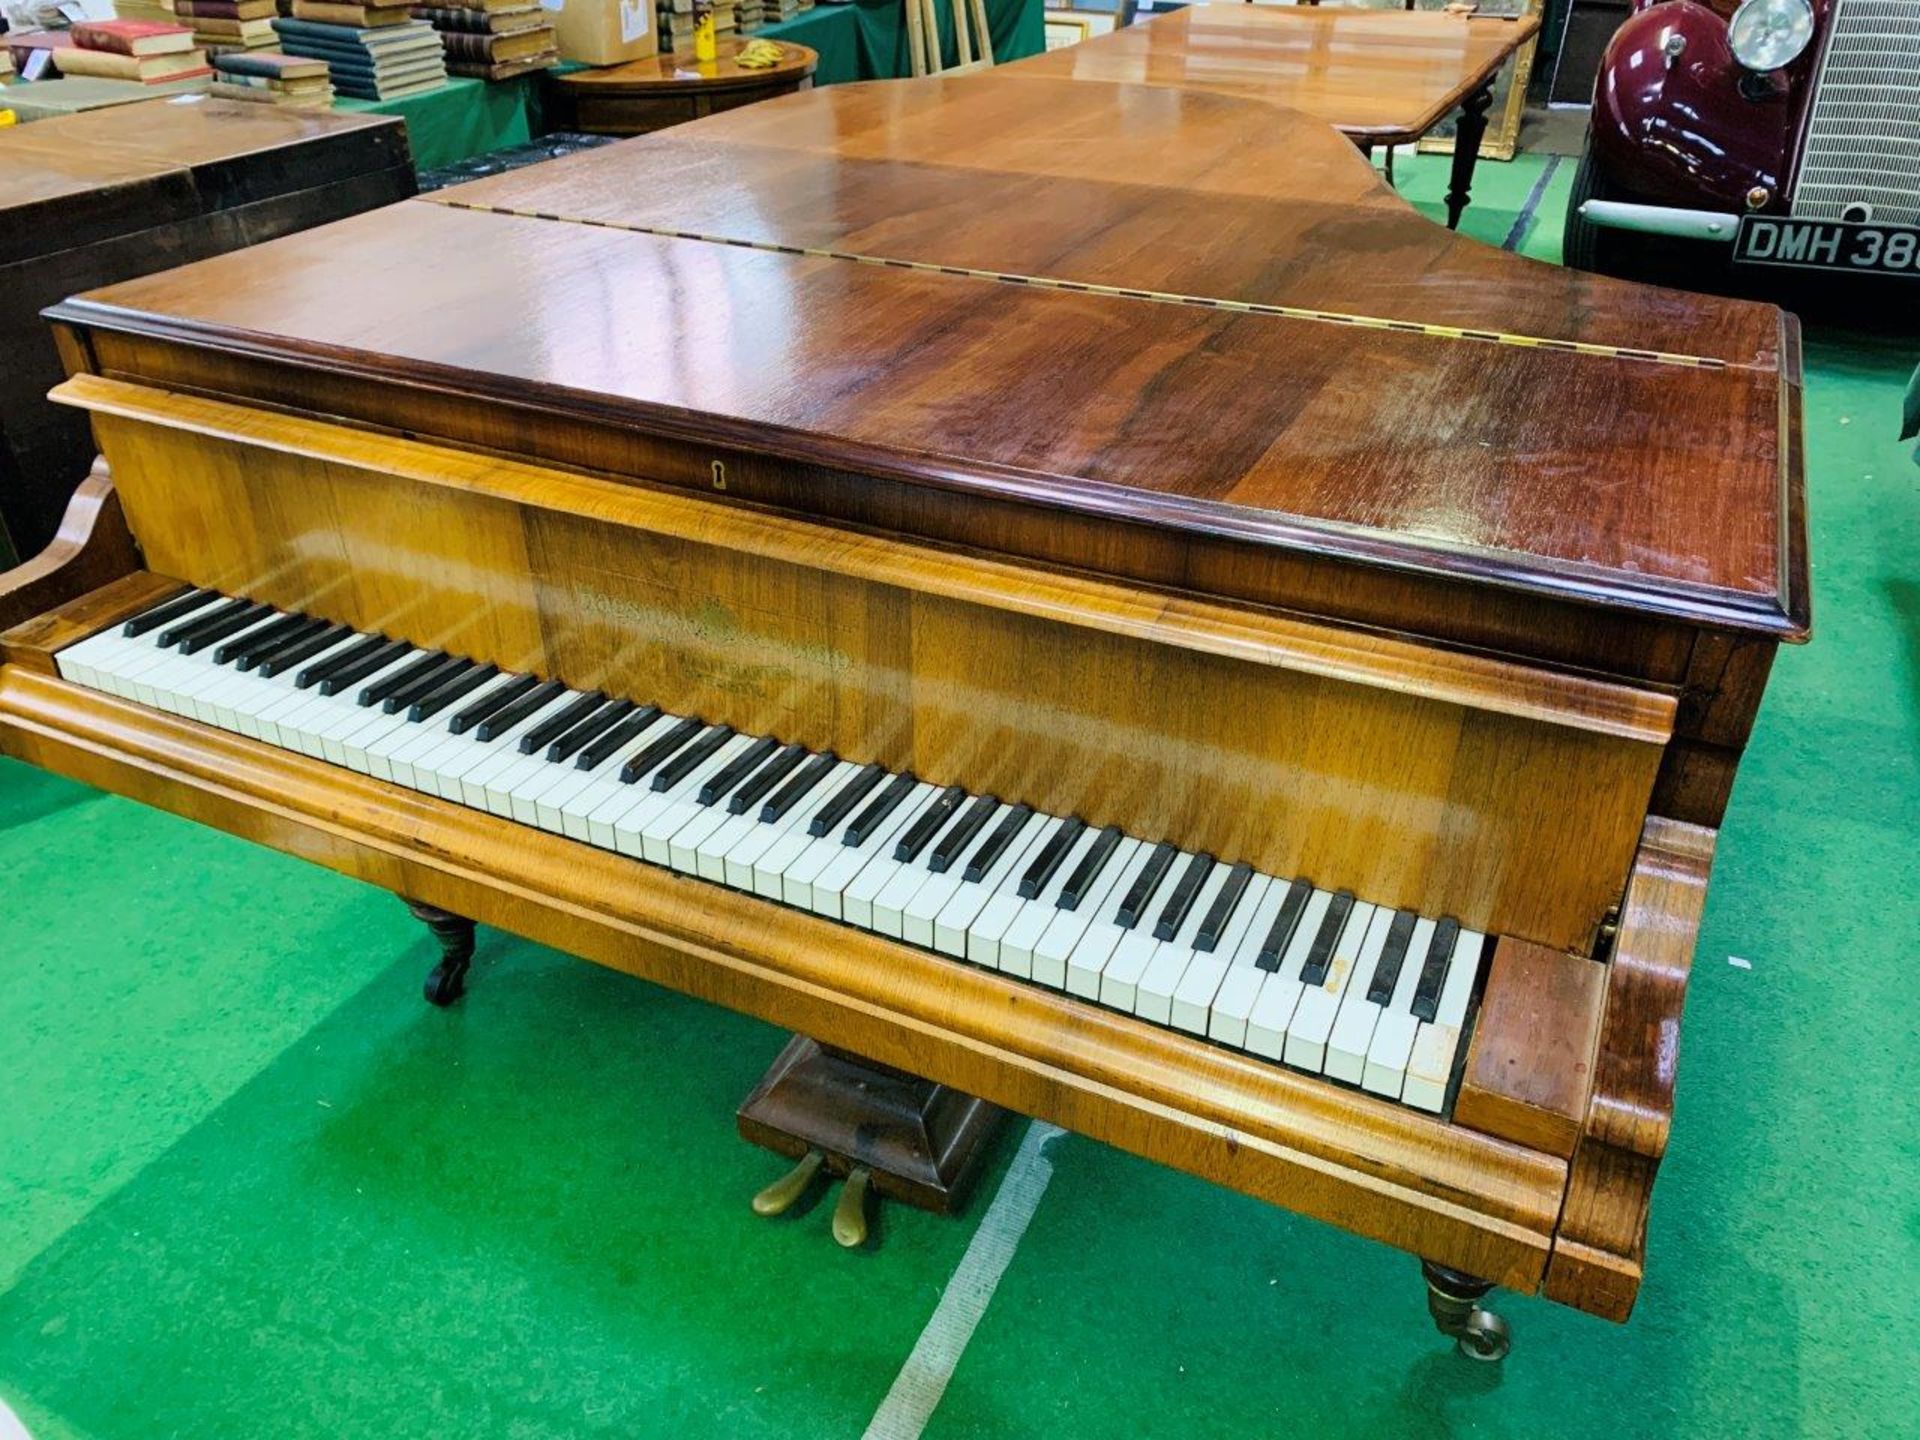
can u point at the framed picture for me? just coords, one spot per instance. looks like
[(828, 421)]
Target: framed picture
[(1070, 27), (1509, 90)]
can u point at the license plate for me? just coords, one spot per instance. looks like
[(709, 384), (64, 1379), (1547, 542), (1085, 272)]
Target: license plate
[(1828, 245)]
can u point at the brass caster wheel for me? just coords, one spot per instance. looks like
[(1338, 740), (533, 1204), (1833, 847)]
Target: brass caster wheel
[(850, 1215), (779, 1197), (1484, 1337)]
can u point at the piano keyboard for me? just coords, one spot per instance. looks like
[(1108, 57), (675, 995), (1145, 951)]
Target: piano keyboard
[(1324, 982)]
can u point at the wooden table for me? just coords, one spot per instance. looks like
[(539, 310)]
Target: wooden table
[(111, 194), (648, 95), (1380, 77)]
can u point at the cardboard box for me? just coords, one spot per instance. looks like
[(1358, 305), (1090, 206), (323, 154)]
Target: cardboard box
[(605, 32)]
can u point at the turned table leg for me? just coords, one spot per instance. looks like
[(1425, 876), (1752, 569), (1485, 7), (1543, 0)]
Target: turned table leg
[(1468, 132), (447, 982)]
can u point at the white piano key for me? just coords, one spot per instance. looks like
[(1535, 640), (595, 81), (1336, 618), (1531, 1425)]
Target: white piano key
[(827, 892), (1430, 1067), (1193, 1000), (1353, 1024), (1088, 959), (1392, 1043), (682, 801), (1065, 929), (1024, 933), (767, 859), (924, 914), (1313, 1017), (1120, 981), (1273, 1008), (598, 810), (1241, 985), (82, 662), (991, 919), (857, 900), (1153, 996), (908, 879), (442, 749), (727, 855)]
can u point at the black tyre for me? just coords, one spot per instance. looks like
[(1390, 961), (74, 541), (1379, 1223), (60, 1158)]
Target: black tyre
[(1585, 245)]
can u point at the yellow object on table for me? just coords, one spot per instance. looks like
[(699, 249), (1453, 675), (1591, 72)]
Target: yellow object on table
[(759, 55), (705, 47)]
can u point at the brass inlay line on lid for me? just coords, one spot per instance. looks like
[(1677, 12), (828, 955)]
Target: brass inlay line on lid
[(1158, 297)]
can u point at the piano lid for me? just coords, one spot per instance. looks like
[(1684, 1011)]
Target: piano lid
[(1181, 309)]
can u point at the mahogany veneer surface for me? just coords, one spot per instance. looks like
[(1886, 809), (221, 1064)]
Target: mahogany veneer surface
[(1625, 480), (1381, 75)]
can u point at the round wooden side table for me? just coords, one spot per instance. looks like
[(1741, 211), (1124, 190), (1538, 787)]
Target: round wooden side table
[(647, 95)]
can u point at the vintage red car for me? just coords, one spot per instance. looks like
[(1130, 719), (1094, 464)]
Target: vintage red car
[(1771, 133)]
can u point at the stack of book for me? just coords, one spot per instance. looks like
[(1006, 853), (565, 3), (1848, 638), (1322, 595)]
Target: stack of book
[(676, 21), (225, 27), (494, 39), (270, 78), (142, 50), (384, 61), (160, 11)]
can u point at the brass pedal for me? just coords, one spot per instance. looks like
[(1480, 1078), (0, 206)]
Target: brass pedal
[(850, 1215), (779, 1197)]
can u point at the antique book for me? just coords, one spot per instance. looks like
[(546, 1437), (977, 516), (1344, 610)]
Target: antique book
[(147, 69), (468, 21), (132, 37), (272, 65), (356, 16), (505, 69), (227, 9), (495, 49)]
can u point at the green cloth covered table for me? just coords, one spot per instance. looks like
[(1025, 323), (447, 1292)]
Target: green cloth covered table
[(465, 118), (867, 40)]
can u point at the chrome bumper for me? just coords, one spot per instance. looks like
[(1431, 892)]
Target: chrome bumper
[(1662, 220)]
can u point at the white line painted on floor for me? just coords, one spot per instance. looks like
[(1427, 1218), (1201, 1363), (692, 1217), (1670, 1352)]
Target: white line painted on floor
[(10, 1426), (1738, 963), (923, 1379)]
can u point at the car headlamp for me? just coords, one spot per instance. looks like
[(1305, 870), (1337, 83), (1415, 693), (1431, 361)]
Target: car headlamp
[(1766, 34)]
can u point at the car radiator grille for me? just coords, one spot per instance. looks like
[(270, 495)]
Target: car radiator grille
[(1863, 134)]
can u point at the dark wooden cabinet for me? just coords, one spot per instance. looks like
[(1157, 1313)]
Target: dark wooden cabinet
[(90, 199)]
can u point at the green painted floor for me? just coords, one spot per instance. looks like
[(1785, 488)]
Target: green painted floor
[(250, 1186)]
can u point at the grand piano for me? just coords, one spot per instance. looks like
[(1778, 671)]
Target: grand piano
[(1069, 595)]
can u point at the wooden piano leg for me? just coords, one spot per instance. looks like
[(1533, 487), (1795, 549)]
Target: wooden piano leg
[(1468, 131), (881, 1128), (1453, 1299), (447, 982)]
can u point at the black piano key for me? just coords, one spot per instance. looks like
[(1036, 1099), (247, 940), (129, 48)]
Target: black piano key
[(201, 620), (604, 718), (1134, 903), (514, 711), (995, 845), (961, 835), (883, 805), (172, 610), (255, 640), (1185, 891), (561, 721), (352, 672), (260, 656), (929, 823), (765, 778), (1089, 868), (220, 630), (300, 650), (1052, 856), (845, 798), (720, 784), (1225, 903), (425, 683), (339, 661), (658, 751), (613, 741), (377, 693), (1433, 973), (457, 687), (696, 754), (1280, 934), (1320, 954), (494, 700), (1393, 955), (798, 788)]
